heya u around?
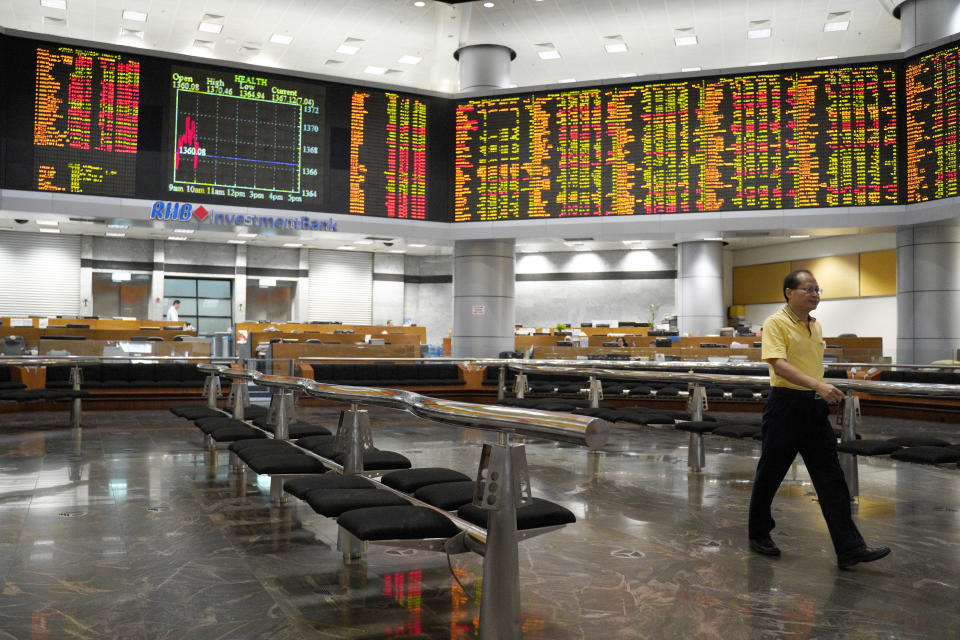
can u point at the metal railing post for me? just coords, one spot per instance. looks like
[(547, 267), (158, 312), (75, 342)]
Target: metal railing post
[(848, 432), (76, 407), (520, 386), (501, 383), (503, 485), (696, 404), (595, 392)]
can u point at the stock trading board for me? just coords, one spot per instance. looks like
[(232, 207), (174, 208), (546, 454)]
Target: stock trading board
[(817, 138), (932, 107), (388, 154), (80, 120), (86, 119)]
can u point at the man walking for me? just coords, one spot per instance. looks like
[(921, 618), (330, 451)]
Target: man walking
[(795, 421)]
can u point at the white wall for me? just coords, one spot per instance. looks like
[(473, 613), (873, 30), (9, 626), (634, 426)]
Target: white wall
[(542, 303), (866, 317)]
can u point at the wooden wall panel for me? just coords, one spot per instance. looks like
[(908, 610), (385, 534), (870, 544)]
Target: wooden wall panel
[(759, 283), (839, 276), (878, 273)]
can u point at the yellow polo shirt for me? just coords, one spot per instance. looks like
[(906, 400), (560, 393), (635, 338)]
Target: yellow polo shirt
[(785, 336)]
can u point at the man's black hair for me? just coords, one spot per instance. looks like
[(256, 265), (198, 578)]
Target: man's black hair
[(176, 302), (792, 281)]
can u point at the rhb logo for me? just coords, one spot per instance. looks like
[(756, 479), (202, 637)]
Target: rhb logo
[(177, 211)]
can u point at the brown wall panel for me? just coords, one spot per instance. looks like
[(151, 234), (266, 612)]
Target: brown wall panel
[(759, 283), (878, 273), (838, 276)]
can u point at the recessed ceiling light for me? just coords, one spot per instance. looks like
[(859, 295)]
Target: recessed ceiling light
[(582, 248), (246, 235), (54, 4), (756, 34), (800, 236), (409, 59), (826, 57), (489, 5), (363, 241), (397, 251), (714, 238), (757, 64), (118, 225), (348, 49), (685, 41), (210, 27), (136, 16), (629, 74), (375, 71), (415, 245), (115, 234), (184, 230), (836, 26), (549, 54), (49, 230), (616, 47), (686, 69), (419, 3), (279, 38), (293, 245), (572, 243), (176, 237), (528, 250), (48, 223), (236, 242), (566, 80), (346, 248)]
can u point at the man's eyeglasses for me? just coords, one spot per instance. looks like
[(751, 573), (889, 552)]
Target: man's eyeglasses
[(811, 290)]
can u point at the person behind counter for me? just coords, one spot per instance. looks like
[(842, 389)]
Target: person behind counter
[(173, 313)]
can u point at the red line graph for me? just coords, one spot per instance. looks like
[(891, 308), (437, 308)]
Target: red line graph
[(187, 140)]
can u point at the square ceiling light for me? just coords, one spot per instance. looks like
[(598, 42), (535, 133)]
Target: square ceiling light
[(409, 60), (279, 38), (210, 27), (685, 37), (549, 54), (135, 16), (54, 4)]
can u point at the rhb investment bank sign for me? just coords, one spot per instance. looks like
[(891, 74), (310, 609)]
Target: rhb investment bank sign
[(186, 212)]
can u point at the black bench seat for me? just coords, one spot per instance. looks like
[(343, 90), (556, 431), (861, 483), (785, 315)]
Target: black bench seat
[(295, 429), (927, 455), (300, 487), (334, 502), (541, 513), (194, 411), (868, 447), (397, 523), (373, 459), (409, 480), (447, 495)]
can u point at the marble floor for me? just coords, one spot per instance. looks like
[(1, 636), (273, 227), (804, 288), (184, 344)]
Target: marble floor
[(122, 531)]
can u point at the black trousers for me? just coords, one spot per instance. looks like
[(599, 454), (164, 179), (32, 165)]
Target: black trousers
[(795, 422)]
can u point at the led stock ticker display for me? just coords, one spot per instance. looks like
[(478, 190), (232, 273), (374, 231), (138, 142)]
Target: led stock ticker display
[(814, 138), (388, 154), (85, 121), (246, 138)]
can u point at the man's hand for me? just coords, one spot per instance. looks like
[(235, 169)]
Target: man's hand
[(829, 393)]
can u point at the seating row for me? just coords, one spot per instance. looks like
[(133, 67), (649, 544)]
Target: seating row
[(126, 374), (387, 375)]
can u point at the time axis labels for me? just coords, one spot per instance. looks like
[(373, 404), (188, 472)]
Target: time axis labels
[(246, 138)]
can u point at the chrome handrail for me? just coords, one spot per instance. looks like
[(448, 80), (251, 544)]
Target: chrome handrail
[(869, 386), (580, 429)]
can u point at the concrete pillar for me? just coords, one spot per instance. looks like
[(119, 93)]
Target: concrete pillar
[(923, 21), (700, 287), (483, 297), (86, 276), (484, 66), (240, 284), (928, 292), (156, 283)]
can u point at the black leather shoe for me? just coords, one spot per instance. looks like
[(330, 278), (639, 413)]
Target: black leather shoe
[(847, 559), (764, 546)]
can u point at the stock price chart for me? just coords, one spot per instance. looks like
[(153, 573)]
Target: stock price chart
[(246, 138), (85, 124), (388, 155), (816, 138)]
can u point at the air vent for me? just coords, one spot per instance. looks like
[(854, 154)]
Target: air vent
[(331, 61), (379, 239), (50, 21), (578, 239), (747, 234)]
